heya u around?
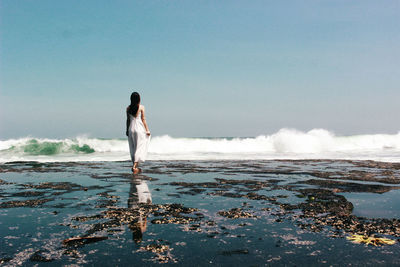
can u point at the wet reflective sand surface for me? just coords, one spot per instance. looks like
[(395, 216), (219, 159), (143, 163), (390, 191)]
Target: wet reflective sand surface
[(240, 213)]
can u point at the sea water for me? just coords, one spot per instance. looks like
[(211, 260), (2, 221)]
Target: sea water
[(285, 144)]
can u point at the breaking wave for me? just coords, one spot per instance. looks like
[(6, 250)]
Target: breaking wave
[(285, 144)]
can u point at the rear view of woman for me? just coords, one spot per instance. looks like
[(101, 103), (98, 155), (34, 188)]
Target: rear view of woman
[(137, 131)]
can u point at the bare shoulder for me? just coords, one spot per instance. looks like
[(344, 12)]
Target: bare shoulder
[(127, 108)]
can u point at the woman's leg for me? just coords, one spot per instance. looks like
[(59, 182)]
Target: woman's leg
[(135, 168)]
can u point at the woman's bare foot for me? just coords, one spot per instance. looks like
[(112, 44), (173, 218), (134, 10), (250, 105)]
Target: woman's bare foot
[(135, 170)]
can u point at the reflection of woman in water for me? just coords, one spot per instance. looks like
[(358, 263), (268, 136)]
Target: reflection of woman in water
[(137, 131), (139, 194)]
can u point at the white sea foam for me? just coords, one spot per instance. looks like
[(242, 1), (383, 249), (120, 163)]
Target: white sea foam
[(285, 144)]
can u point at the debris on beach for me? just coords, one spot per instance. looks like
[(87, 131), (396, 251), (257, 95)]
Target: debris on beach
[(236, 213), (370, 240), (155, 248), (24, 203), (80, 240), (233, 252), (39, 257), (162, 253)]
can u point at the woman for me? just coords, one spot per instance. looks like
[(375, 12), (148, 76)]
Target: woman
[(137, 131)]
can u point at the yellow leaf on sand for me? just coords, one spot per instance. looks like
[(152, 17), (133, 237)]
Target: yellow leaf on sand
[(370, 240)]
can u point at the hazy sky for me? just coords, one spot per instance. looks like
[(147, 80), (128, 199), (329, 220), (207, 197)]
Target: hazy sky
[(203, 68)]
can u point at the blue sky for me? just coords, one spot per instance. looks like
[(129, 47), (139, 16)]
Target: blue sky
[(203, 68)]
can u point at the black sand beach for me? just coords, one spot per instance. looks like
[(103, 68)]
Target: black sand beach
[(230, 213)]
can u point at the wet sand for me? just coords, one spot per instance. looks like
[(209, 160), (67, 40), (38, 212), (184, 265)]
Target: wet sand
[(232, 213)]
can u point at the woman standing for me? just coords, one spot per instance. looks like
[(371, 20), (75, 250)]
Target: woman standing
[(137, 131)]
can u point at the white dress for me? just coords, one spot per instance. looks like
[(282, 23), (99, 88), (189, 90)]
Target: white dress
[(138, 139), (139, 193)]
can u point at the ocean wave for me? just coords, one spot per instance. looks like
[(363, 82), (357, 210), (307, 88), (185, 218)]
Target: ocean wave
[(35, 147), (286, 143)]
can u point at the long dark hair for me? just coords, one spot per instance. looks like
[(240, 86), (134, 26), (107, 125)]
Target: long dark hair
[(134, 106)]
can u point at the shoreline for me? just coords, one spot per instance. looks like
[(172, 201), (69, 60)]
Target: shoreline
[(205, 160)]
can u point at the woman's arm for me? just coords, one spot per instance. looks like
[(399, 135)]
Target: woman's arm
[(144, 122), (128, 122)]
